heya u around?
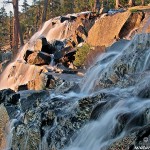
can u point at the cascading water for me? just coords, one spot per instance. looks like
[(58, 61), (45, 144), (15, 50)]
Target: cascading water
[(22, 76), (124, 61), (119, 114), (102, 133)]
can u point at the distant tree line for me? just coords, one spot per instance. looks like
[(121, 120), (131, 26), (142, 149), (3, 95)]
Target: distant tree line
[(16, 27)]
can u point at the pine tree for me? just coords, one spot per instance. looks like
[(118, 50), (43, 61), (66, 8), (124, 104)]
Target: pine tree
[(68, 6), (3, 27), (54, 8), (25, 6), (44, 11)]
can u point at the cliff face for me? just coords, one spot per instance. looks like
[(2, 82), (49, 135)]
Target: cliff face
[(106, 29), (109, 28)]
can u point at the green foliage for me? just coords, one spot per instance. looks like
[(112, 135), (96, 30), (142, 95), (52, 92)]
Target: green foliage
[(68, 6), (81, 55), (4, 27), (83, 5), (54, 9), (133, 10)]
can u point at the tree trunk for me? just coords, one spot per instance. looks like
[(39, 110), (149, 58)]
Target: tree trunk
[(15, 28), (96, 6), (118, 4), (143, 2), (10, 30), (44, 11), (20, 35), (131, 3)]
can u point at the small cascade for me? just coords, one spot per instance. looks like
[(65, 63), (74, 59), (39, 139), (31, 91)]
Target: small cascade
[(10, 128), (53, 29), (109, 64), (94, 72), (100, 134), (52, 63)]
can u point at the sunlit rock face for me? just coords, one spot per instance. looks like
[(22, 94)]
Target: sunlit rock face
[(52, 42), (123, 25)]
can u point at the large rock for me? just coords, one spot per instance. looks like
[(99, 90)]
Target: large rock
[(131, 24), (41, 44), (4, 131), (93, 54), (98, 35), (61, 53), (29, 99), (42, 81), (39, 58), (5, 56), (26, 55), (9, 96)]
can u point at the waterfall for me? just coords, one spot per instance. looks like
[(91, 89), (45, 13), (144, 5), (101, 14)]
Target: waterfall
[(111, 73), (106, 64), (102, 133), (24, 72), (99, 135)]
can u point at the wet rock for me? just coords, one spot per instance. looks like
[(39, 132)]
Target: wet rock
[(42, 81), (28, 52), (38, 83), (21, 141), (39, 43), (51, 81), (32, 99), (142, 89), (9, 96), (59, 54), (118, 45), (68, 58), (59, 45), (70, 71), (4, 120), (121, 70), (42, 45), (93, 54), (139, 138), (22, 87), (96, 111), (49, 49), (14, 98), (122, 120), (4, 94), (12, 111), (62, 19), (39, 58), (67, 86)]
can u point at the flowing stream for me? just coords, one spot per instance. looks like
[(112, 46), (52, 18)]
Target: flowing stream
[(99, 134)]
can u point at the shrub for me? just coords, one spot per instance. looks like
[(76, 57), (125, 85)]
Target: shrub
[(81, 55)]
